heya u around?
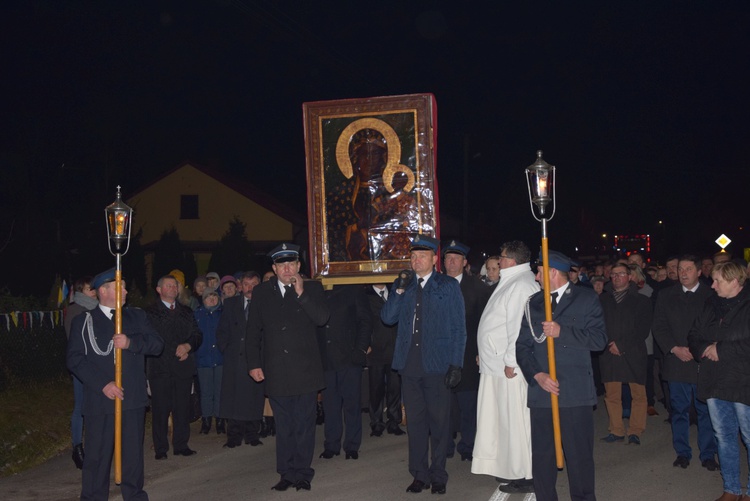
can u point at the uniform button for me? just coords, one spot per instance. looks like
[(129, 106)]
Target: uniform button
[(283, 328), (329, 341), (285, 351)]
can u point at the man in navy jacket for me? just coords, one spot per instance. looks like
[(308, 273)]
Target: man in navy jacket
[(429, 354), (90, 357), (577, 327)]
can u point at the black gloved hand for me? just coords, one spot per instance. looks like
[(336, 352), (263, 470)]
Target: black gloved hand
[(404, 279), (452, 377)]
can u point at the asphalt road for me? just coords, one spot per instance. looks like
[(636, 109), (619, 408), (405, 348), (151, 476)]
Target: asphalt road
[(624, 472)]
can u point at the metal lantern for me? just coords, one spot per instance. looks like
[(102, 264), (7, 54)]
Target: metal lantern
[(118, 216), (540, 180)]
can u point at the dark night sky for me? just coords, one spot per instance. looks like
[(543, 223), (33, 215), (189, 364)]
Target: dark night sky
[(641, 105)]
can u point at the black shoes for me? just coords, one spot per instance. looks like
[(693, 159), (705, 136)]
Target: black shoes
[(710, 464), (396, 430), (205, 425), (328, 454), (78, 456), (352, 455), (231, 445), (418, 486), (221, 426), (303, 484), (682, 462), (438, 488), (160, 455), (254, 443), (518, 486), (185, 452), (282, 485), (376, 432), (466, 456)]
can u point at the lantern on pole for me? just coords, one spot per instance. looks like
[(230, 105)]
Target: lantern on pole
[(540, 181), (118, 217)]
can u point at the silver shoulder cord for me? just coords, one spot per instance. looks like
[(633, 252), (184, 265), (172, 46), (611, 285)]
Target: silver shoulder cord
[(89, 325), (527, 312)]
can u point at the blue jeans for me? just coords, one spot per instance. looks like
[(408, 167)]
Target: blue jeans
[(681, 396), (727, 418), (76, 419)]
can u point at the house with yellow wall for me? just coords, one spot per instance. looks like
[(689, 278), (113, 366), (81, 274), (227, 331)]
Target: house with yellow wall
[(199, 203)]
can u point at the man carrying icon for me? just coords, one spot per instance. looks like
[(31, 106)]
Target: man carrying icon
[(429, 353)]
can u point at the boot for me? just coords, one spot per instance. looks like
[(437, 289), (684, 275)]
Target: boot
[(263, 433), (206, 425), (221, 426), (271, 424), (78, 456)]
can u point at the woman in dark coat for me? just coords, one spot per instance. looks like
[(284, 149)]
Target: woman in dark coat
[(210, 359), (720, 341)]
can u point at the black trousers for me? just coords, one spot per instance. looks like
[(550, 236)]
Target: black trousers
[(385, 388), (295, 435), (342, 406), (577, 430), (170, 395), (428, 410), (100, 445)]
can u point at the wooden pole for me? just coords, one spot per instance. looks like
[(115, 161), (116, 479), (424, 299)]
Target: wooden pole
[(118, 372), (551, 347)]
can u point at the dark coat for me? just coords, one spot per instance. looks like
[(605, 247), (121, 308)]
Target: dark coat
[(582, 331), (241, 397), (729, 378), (344, 339), (628, 324), (383, 338), (444, 324), (175, 327), (282, 338), (673, 318), (97, 371), (475, 294)]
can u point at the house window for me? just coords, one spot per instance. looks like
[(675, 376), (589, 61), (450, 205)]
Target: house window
[(189, 207)]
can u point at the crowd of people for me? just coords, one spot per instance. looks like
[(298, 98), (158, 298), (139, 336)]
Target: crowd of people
[(460, 358)]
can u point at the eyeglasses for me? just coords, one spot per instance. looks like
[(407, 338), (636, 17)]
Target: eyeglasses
[(619, 274)]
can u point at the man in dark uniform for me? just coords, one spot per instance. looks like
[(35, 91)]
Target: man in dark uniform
[(343, 347), (384, 383), (475, 294), (578, 329), (170, 375), (90, 357), (242, 398), (282, 349), (429, 354)]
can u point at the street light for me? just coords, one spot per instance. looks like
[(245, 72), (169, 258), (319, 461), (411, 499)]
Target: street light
[(118, 218), (540, 181)]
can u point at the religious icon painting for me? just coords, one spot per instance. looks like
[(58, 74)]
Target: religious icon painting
[(371, 184)]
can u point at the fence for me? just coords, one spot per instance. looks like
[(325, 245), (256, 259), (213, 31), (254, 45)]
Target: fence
[(32, 347)]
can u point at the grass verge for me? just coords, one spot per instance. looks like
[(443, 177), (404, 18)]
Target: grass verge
[(34, 424)]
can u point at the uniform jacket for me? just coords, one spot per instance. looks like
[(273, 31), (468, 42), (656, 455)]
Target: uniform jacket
[(282, 337), (241, 397), (175, 327), (208, 355), (673, 318), (628, 324), (729, 378), (443, 324), (501, 320), (345, 337), (475, 294), (383, 337), (582, 331), (96, 371)]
